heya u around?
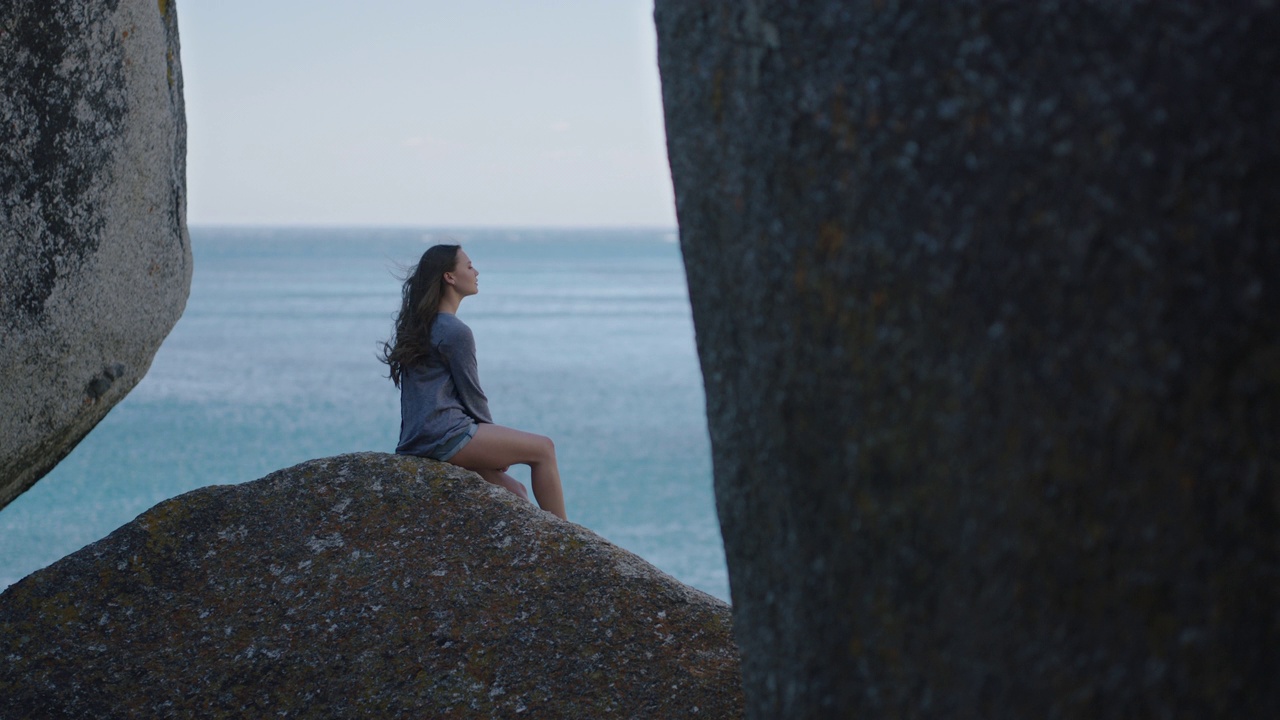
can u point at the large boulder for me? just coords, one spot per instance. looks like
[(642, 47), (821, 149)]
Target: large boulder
[(366, 585), (95, 262), (987, 298)]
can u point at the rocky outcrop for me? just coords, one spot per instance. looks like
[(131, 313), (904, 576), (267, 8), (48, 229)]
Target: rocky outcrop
[(95, 262), (986, 303), (365, 585)]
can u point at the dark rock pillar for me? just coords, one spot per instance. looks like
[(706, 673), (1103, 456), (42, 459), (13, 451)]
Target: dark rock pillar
[(987, 297)]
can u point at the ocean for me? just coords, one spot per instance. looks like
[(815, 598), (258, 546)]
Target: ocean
[(582, 335)]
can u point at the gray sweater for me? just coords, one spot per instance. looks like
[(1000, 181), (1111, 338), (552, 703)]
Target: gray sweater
[(441, 397)]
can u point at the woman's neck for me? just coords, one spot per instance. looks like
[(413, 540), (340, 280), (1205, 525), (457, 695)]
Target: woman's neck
[(450, 301)]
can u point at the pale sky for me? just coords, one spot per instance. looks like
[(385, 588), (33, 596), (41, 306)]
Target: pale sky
[(516, 113)]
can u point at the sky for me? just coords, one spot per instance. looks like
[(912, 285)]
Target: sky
[(424, 113)]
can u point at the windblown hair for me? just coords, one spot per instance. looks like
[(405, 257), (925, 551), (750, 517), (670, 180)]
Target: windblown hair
[(419, 306)]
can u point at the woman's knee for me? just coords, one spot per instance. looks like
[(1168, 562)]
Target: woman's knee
[(503, 446), (546, 448)]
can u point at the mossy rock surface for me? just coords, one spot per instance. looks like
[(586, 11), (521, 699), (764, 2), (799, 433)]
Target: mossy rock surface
[(987, 301), (95, 260), (367, 585)]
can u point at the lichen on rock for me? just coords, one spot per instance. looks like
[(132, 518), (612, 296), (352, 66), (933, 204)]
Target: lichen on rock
[(366, 585), (986, 298), (95, 261)]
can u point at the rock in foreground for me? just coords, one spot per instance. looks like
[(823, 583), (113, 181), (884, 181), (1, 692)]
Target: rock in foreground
[(361, 585), (95, 262), (986, 301)]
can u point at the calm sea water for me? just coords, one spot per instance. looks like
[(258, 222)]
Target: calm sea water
[(585, 336)]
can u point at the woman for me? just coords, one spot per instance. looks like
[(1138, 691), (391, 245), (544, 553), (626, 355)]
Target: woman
[(444, 414)]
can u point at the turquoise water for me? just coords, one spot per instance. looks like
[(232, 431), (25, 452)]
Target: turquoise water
[(584, 336)]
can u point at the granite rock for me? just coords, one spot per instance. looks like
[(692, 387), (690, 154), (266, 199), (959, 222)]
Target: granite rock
[(986, 298), (365, 585), (95, 262)]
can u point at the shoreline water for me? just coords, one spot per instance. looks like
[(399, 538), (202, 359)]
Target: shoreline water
[(582, 335)]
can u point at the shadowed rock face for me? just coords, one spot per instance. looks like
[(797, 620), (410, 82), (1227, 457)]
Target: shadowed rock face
[(987, 300), (364, 585), (95, 262)]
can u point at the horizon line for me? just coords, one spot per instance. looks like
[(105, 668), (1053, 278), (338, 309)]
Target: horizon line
[(412, 226)]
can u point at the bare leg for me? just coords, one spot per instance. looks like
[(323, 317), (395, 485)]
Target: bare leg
[(503, 480), (495, 446)]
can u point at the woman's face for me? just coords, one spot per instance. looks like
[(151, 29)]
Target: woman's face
[(466, 279)]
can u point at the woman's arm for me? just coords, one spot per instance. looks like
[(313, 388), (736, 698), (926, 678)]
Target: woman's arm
[(459, 349)]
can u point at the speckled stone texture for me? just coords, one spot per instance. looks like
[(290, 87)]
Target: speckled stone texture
[(365, 585), (95, 262), (987, 297)]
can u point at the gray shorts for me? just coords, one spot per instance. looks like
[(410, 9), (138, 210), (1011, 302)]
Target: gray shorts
[(451, 446)]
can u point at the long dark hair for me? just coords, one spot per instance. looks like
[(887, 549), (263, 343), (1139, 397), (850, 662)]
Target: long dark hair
[(419, 305)]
